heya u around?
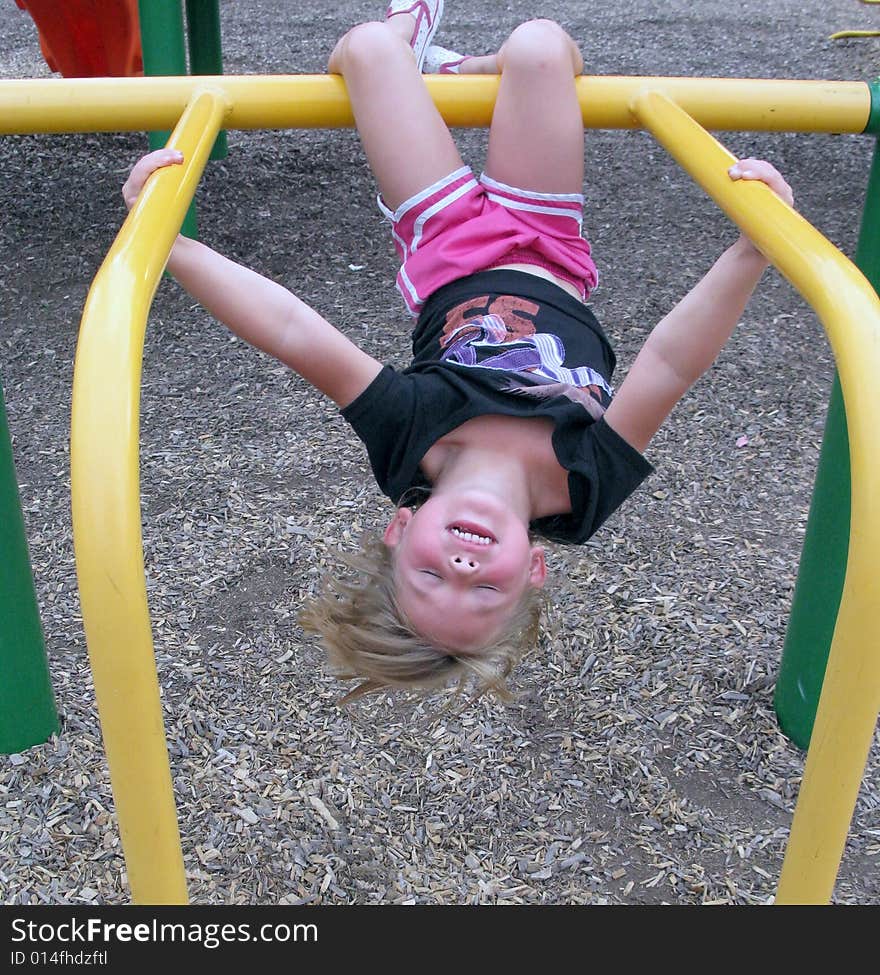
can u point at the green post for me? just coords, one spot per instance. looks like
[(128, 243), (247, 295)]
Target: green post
[(27, 706), (164, 54), (205, 50), (826, 543)]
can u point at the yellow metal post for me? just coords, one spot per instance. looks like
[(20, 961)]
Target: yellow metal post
[(321, 101), (106, 512), (850, 311)]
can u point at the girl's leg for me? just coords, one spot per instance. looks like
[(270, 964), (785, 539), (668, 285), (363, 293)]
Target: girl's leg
[(536, 141), (406, 140)]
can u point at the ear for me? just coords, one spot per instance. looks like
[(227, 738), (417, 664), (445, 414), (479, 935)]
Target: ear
[(537, 568), (396, 527)]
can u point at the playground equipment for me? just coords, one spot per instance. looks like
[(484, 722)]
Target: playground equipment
[(27, 707), (823, 563), (88, 38), (123, 38), (843, 34), (824, 558), (84, 39), (104, 442)]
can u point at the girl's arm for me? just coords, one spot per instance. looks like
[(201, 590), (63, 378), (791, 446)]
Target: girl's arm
[(260, 311), (686, 342)]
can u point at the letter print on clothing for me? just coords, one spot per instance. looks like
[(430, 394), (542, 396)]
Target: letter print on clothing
[(500, 334)]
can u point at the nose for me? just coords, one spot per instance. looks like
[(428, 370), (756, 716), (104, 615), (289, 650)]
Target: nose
[(463, 564)]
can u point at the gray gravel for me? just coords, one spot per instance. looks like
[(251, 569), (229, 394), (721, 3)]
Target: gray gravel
[(641, 761)]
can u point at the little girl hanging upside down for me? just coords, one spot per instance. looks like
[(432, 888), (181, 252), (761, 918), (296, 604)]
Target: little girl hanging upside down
[(505, 428)]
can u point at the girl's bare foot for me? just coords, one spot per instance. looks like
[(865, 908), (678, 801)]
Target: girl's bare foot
[(440, 60)]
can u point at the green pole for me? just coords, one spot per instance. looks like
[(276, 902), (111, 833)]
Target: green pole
[(205, 50), (27, 707), (164, 54), (826, 543)]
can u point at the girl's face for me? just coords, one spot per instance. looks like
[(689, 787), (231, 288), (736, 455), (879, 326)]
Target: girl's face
[(462, 562)]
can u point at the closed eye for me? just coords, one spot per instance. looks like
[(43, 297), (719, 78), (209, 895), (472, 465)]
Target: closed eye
[(437, 575)]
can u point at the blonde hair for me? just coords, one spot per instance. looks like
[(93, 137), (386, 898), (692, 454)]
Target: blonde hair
[(367, 636)]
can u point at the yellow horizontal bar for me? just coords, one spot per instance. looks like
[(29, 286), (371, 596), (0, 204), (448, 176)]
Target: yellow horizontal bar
[(321, 101), (106, 512), (850, 311)]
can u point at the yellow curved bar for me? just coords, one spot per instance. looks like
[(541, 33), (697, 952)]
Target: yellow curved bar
[(321, 101), (841, 34), (106, 512), (850, 311)]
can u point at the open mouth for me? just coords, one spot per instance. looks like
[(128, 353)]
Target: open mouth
[(474, 534)]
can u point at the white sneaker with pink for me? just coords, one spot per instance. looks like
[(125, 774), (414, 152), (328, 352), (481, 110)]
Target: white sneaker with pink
[(427, 14)]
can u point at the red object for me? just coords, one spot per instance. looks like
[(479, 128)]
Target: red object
[(88, 38)]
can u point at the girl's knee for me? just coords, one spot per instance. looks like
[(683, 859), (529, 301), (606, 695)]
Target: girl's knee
[(539, 44), (363, 45)]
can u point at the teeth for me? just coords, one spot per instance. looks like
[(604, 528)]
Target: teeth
[(471, 537)]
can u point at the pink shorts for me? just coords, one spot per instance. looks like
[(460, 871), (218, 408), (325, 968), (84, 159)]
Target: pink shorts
[(462, 225)]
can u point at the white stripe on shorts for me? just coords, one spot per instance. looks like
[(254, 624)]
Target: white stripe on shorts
[(532, 194), (441, 204), (536, 208), (407, 205), (403, 278)]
